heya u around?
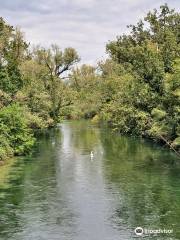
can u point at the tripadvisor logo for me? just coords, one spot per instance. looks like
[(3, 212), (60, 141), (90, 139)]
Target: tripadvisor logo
[(139, 231)]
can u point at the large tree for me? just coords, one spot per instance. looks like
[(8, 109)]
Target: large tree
[(56, 64), (148, 102), (12, 53)]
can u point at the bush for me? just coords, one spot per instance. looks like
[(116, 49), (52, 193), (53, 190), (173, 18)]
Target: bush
[(14, 128), (96, 119), (5, 150), (158, 114), (126, 119), (35, 122), (176, 143)]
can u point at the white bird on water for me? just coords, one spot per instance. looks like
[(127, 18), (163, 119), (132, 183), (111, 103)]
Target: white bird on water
[(92, 155)]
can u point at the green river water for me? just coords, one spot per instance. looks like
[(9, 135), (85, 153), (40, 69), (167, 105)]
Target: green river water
[(61, 193)]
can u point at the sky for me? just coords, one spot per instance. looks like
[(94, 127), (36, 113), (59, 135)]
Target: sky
[(86, 25)]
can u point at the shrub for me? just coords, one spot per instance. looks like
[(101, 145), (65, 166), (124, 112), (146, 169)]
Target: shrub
[(158, 114), (14, 128), (5, 150), (176, 143)]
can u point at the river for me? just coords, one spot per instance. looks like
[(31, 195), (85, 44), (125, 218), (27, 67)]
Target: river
[(62, 193)]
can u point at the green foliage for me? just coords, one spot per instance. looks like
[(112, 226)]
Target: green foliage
[(176, 142), (12, 49), (55, 63), (126, 119), (5, 150), (5, 99), (33, 94), (14, 127), (147, 101), (159, 130), (137, 90), (158, 114), (96, 119), (85, 83)]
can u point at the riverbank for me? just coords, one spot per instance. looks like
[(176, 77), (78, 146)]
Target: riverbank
[(136, 90), (94, 123), (161, 141)]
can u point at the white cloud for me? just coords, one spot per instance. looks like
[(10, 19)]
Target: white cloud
[(86, 25)]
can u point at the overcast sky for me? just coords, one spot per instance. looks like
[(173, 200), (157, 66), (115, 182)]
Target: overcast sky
[(86, 25)]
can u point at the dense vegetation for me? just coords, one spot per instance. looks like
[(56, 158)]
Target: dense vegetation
[(31, 92), (136, 90)]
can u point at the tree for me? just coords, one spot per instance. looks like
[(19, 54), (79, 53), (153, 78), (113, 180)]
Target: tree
[(12, 53), (56, 62), (85, 82), (147, 103)]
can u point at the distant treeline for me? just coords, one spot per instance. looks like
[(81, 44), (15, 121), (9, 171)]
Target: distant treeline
[(136, 90)]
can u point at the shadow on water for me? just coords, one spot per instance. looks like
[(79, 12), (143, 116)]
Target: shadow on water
[(61, 193)]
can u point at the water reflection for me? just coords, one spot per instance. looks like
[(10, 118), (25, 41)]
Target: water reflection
[(59, 193), (142, 176)]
